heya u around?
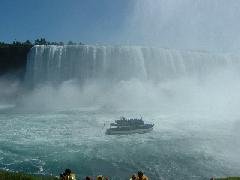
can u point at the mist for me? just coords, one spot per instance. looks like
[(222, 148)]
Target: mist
[(205, 106), (175, 63), (186, 24), (214, 95), (10, 88)]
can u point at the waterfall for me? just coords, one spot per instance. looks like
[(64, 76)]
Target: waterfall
[(56, 64)]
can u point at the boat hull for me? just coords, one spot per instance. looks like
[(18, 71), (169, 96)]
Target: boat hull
[(125, 132)]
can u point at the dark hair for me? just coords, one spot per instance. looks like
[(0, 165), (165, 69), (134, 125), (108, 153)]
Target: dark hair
[(68, 171), (88, 178), (140, 173), (134, 176)]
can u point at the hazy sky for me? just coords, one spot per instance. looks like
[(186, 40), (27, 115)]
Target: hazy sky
[(62, 20), (183, 24)]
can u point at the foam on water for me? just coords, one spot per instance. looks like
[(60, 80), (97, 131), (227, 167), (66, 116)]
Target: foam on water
[(191, 97), (180, 147)]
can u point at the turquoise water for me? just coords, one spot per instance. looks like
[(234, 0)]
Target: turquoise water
[(191, 97), (181, 146)]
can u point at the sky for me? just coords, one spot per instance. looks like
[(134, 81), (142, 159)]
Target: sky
[(90, 21), (210, 25)]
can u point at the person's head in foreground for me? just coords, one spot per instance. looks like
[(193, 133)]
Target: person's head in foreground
[(88, 178), (68, 172), (140, 174), (134, 177), (100, 177)]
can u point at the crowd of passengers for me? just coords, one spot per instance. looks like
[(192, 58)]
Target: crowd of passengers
[(125, 121), (69, 175)]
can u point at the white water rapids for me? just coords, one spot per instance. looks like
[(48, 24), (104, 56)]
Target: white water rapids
[(72, 94)]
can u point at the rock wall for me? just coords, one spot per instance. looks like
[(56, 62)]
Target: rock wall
[(13, 59)]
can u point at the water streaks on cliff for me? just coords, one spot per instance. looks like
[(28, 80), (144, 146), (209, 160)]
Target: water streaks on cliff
[(115, 63)]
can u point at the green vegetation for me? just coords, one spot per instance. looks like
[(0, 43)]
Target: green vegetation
[(5, 175), (16, 44), (40, 41), (228, 178)]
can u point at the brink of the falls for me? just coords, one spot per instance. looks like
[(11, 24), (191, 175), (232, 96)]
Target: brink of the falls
[(56, 64)]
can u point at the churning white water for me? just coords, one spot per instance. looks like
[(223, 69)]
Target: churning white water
[(74, 92)]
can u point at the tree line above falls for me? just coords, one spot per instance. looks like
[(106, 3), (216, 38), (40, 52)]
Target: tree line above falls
[(13, 56), (40, 41)]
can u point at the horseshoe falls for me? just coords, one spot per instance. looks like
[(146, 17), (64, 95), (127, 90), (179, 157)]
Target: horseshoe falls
[(115, 63), (71, 94)]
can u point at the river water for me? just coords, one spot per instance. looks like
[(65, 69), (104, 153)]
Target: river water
[(59, 114), (181, 146)]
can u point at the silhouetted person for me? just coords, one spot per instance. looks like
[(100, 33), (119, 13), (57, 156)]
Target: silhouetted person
[(69, 175), (134, 177), (141, 176), (68, 171), (100, 177), (61, 176)]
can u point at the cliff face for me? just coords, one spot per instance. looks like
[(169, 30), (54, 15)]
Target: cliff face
[(13, 59)]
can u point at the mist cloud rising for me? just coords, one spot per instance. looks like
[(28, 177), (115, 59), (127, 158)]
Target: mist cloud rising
[(186, 24), (130, 78), (216, 94)]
